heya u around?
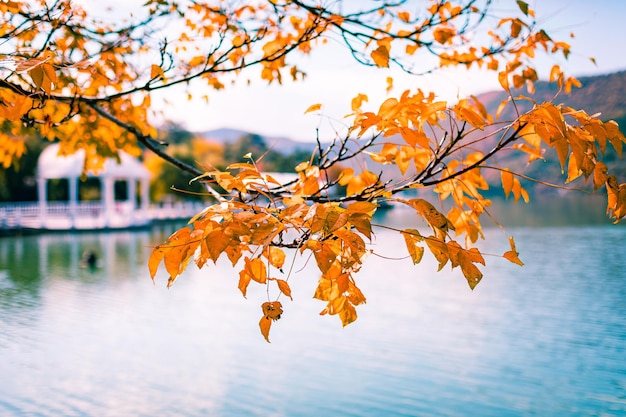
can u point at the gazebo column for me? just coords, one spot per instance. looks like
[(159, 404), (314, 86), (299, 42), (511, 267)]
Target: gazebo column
[(73, 188), (132, 198), (108, 200), (145, 196), (42, 196)]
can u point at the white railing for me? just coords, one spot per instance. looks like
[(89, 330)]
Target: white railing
[(90, 215)]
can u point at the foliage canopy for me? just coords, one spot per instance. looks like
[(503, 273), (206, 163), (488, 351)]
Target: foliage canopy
[(88, 84)]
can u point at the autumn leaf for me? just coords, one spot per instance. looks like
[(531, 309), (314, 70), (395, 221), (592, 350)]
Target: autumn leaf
[(439, 250), (216, 243), (381, 56), (433, 216), (507, 182), (362, 222), (443, 34), (43, 77), (272, 309), (265, 324), (389, 84), (156, 72), (600, 175), (512, 255), (254, 270), (325, 256), (154, 261), (466, 258), (313, 107), (411, 238), (347, 314), (275, 256), (616, 196)]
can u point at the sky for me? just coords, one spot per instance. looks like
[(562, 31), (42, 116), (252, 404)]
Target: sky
[(334, 78)]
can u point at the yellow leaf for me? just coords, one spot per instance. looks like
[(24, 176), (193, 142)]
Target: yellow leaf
[(265, 325), (381, 56), (283, 286), (156, 72), (503, 78), (347, 314), (411, 237), (253, 270), (600, 175), (439, 249), (362, 207), (616, 200), (573, 171), (389, 84), (512, 255), (37, 75), (153, 262), (313, 107), (275, 256), (325, 256), (443, 34), (433, 216), (357, 102), (272, 309), (362, 222), (507, 182)]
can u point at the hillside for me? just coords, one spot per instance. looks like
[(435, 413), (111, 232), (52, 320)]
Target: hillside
[(281, 144), (605, 94)]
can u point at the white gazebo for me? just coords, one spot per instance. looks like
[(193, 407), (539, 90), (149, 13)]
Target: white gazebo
[(106, 213)]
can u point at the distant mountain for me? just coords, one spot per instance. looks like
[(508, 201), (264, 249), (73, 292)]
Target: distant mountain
[(280, 144), (605, 94)]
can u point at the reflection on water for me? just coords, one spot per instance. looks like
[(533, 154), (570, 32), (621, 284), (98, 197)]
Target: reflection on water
[(546, 339)]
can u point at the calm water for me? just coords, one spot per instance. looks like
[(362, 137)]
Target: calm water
[(548, 339)]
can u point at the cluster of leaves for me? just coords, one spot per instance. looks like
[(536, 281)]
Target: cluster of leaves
[(88, 84)]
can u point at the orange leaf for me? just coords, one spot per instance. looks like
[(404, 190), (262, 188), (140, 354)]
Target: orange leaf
[(347, 314), (283, 286), (257, 270), (363, 223), (443, 34), (435, 218), (411, 237), (439, 249), (265, 325), (362, 207), (507, 182), (272, 309), (313, 107), (512, 255), (600, 175), (325, 257), (153, 262), (275, 256), (381, 56), (389, 84), (216, 243)]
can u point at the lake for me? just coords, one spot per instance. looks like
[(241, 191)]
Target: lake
[(546, 339)]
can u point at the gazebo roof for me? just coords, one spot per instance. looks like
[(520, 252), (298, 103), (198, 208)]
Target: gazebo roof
[(52, 165)]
